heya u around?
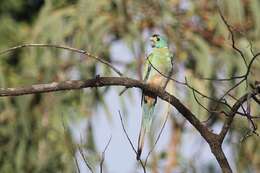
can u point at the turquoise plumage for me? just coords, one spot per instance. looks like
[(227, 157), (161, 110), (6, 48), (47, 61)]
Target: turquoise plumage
[(159, 60)]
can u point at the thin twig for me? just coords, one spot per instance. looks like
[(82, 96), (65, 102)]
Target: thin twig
[(251, 63), (249, 117), (222, 79), (204, 107), (251, 48), (85, 159), (83, 155), (130, 142), (128, 138), (169, 75), (103, 155), (230, 89), (232, 36), (244, 110), (255, 117), (224, 102), (72, 148), (66, 48), (77, 164), (256, 100), (248, 134), (123, 91)]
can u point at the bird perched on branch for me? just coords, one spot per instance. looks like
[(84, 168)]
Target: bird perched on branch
[(157, 67)]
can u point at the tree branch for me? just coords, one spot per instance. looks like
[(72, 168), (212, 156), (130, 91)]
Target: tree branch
[(232, 36), (233, 111), (109, 81), (103, 155), (65, 48)]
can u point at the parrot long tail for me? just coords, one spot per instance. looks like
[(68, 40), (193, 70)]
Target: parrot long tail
[(147, 117), (140, 143)]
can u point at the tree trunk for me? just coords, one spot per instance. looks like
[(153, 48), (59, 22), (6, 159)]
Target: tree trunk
[(216, 149)]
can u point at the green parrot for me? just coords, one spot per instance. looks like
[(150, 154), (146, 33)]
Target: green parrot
[(160, 60)]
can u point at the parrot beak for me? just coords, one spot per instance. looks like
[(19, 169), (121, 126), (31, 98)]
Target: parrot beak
[(153, 40)]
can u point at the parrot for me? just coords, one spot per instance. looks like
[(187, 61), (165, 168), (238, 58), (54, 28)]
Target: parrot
[(158, 62)]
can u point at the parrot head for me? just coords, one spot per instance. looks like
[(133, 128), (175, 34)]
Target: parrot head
[(158, 41)]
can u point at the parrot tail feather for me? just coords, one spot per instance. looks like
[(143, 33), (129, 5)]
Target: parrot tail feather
[(140, 143), (147, 117)]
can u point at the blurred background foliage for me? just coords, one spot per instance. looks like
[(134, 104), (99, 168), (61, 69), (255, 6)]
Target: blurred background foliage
[(31, 130)]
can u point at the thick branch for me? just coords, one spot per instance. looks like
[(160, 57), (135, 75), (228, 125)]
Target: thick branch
[(216, 149), (109, 81)]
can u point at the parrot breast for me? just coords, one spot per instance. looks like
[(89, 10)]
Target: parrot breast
[(161, 60)]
